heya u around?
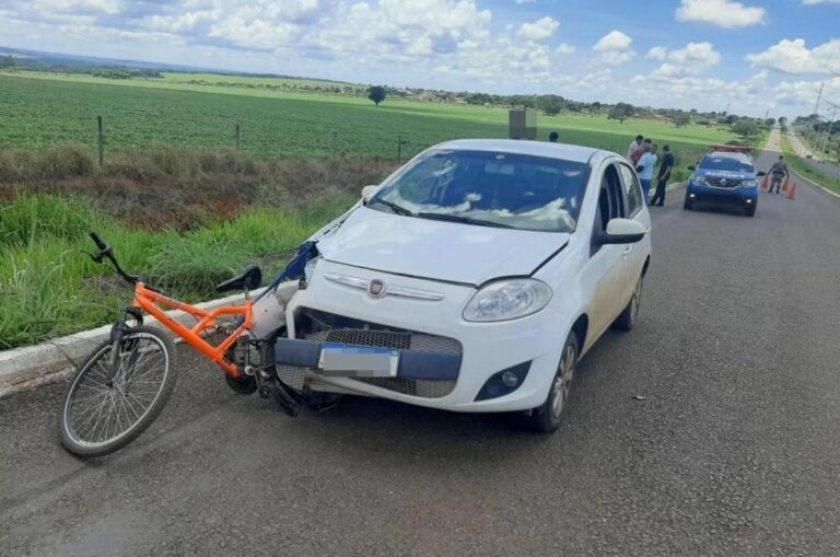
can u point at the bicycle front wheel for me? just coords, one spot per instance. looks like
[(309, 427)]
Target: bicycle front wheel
[(111, 400)]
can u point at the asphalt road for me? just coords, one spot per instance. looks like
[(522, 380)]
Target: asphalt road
[(733, 449)]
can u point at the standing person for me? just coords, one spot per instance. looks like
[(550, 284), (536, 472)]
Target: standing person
[(553, 137), (778, 172), (663, 176), (645, 167), (635, 145), (637, 154)]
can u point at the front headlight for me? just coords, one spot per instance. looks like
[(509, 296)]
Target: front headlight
[(699, 181), (508, 299), (749, 184)]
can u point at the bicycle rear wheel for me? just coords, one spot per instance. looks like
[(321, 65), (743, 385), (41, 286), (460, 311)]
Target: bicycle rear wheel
[(106, 408)]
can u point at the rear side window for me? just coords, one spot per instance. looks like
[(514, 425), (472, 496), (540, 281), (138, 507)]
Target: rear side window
[(632, 190)]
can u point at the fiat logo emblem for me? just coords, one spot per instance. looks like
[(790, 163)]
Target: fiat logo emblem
[(376, 288)]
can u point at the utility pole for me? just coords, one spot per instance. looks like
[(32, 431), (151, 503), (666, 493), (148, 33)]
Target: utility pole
[(819, 96), (828, 133)]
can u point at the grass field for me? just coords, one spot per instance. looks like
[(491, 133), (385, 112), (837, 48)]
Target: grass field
[(801, 166), (42, 109), (48, 287)]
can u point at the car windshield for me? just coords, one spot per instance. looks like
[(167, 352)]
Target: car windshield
[(713, 162), (488, 188)]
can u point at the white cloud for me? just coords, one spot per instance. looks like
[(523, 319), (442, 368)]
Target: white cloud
[(564, 49), (815, 2), (691, 60), (541, 29), (614, 40), (614, 48), (722, 13), (657, 53), (532, 1), (794, 57)]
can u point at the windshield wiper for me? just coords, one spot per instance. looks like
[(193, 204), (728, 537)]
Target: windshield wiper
[(459, 218), (398, 209)]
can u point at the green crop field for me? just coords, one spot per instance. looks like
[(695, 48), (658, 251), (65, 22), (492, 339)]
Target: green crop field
[(40, 109)]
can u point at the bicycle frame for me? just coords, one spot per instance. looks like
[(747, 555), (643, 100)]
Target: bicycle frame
[(152, 303)]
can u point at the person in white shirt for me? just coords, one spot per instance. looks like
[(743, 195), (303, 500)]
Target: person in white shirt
[(645, 167), (635, 145)]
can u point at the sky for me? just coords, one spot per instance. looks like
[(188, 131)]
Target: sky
[(752, 57)]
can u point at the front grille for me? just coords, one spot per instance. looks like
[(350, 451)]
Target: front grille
[(724, 182), (366, 337), (324, 327), (413, 387)]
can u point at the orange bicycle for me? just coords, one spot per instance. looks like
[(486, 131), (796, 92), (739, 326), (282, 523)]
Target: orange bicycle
[(122, 387)]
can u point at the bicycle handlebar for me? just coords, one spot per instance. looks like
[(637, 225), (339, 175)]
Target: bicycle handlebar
[(105, 251)]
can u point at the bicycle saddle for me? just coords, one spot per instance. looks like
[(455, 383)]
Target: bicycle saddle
[(250, 279)]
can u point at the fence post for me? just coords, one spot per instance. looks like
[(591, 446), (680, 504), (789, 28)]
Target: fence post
[(238, 137), (99, 140), (399, 149)]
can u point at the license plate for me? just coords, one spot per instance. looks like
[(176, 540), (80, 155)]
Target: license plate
[(358, 361)]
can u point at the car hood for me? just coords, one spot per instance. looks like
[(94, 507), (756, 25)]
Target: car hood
[(437, 250)]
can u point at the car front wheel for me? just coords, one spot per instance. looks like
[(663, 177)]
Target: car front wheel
[(548, 417), (626, 320)]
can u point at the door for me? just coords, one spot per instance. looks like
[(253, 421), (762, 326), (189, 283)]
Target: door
[(604, 270), (633, 254)]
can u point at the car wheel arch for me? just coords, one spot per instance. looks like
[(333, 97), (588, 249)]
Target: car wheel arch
[(581, 329)]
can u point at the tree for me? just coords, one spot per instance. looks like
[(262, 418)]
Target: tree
[(621, 112), (551, 104), (376, 93), (682, 119), (7, 61), (745, 128)]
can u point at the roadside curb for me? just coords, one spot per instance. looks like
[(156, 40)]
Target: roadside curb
[(28, 367)]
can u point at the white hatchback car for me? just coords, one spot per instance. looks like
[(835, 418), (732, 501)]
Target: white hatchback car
[(472, 279)]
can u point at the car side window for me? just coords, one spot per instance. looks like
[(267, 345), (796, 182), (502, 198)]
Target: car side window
[(632, 190), (611, 203)]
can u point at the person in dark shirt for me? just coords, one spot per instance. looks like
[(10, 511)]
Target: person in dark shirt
[(778, 172), (662, 177)]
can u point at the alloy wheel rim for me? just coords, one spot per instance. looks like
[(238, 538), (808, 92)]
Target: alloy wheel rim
[(563, 382)]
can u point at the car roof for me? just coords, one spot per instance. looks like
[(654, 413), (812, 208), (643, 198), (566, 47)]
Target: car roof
[(563, 151), (740, 157)]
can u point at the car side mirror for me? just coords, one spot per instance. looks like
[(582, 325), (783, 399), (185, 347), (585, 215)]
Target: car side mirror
[(367, 192), (622, 231), (761, 173)]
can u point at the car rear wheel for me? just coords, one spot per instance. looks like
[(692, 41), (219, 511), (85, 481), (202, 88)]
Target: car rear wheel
[(548, 417), (688, 204)]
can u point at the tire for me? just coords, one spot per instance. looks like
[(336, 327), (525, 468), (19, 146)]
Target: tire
[(550, 414), (137, 343), (750, 211), (626, 320), (688, 204)]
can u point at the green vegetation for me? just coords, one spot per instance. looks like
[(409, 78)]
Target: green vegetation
[(806, 168), (48, 288)]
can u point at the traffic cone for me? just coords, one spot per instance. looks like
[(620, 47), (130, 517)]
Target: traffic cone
[(786, 185), (765, 182), (792, 191)]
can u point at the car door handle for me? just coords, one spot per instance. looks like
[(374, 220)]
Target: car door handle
[(628, 249)]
